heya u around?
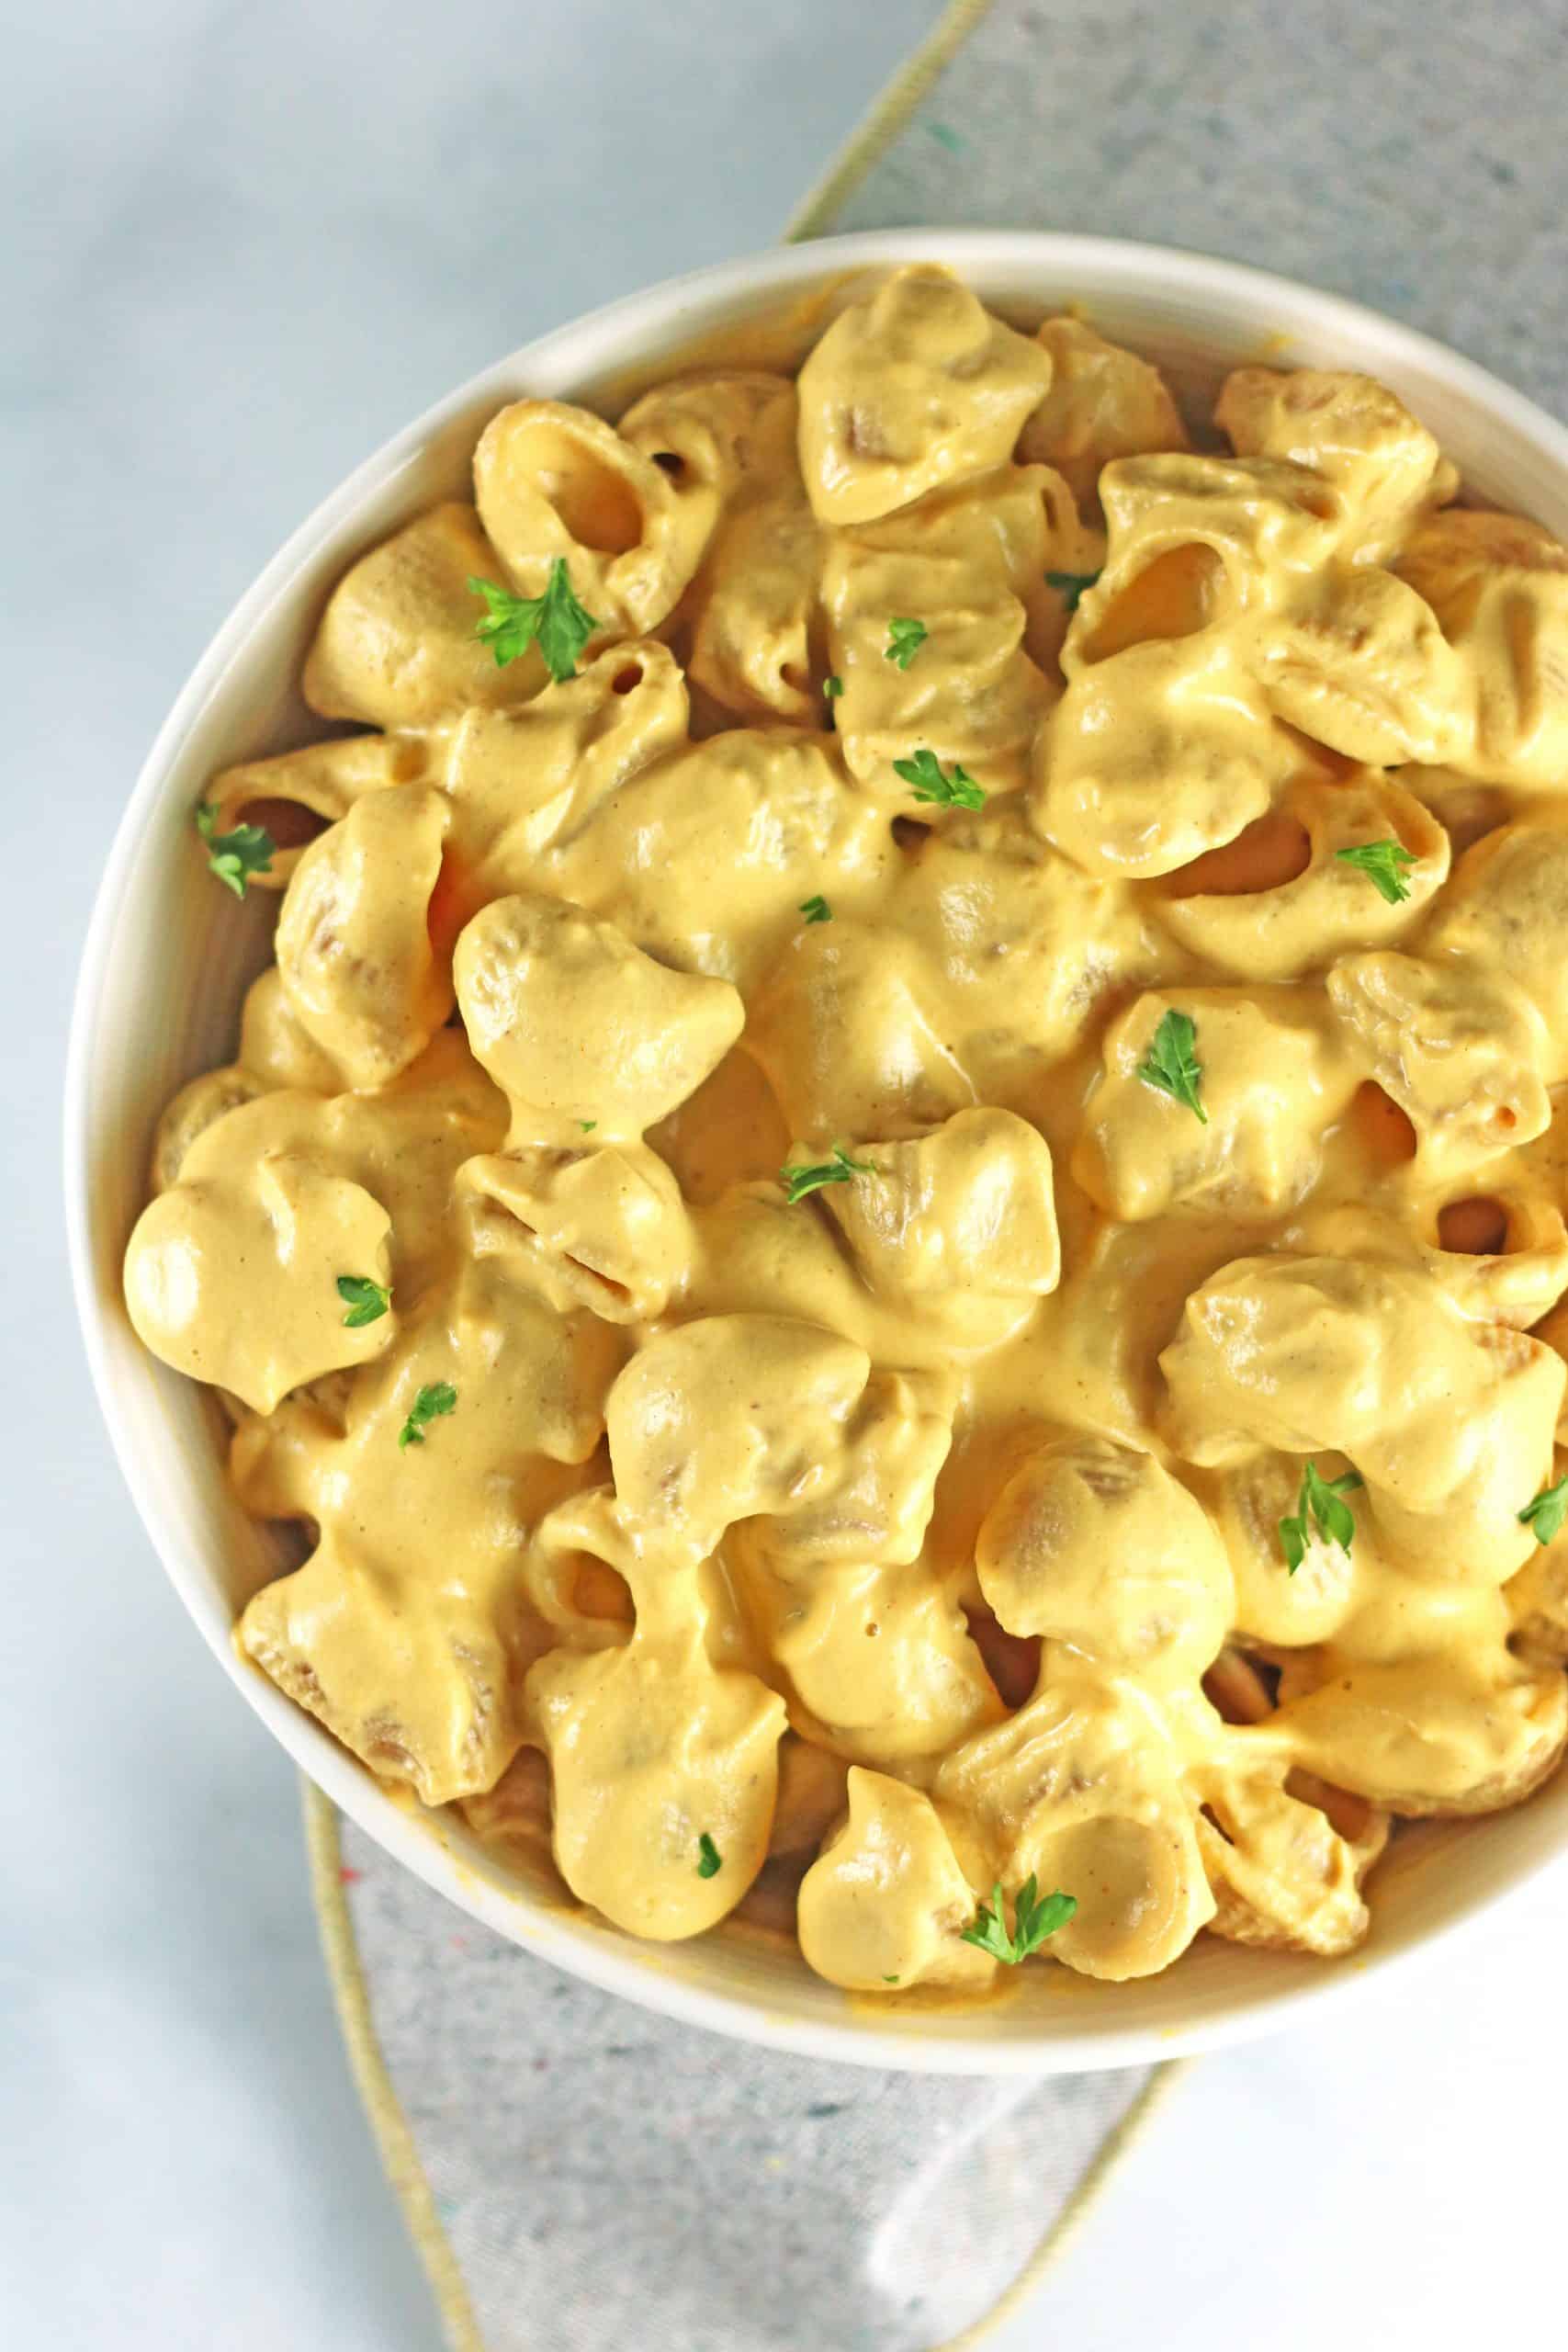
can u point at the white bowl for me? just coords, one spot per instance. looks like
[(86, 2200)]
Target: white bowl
[(158, 998)]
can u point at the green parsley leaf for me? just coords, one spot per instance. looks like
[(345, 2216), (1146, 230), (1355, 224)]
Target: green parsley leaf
[(587, 1126), (366, 1301), (1035, 1916), (905, 640), (798, 1181), (924, 775), (1320, 1501), (1171, 1063), (890, 1980), (816, 910), (710, 1861), (437, 1398), (234, 856), (1070, 586), (1382, 864), (556, 620), (832, 688), (1545, 1512)]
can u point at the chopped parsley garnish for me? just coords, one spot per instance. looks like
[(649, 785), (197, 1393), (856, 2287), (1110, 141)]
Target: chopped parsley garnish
[(587, 1126), (798, 1181), (1171, 1063), (832, 688), (1545, 1512), (556, 620), (710, 1861), (1070, 586), (1382, 863), (437, 1398), (1035, 1916), (1320, 1500), (366, 1301), (905, 640), (234, 856), (816, 910), (923, 774)]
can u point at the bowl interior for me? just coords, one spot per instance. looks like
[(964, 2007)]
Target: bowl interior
[(167, 959)]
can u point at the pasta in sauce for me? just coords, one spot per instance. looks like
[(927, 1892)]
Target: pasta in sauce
[(893, 1213)]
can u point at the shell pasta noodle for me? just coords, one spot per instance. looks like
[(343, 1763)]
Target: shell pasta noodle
[(892, 1221)]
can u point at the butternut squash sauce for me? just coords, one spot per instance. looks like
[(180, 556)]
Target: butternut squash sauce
[(846, 1554)]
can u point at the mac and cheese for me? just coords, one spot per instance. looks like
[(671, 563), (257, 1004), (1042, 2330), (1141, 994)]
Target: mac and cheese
[(893, 1214)]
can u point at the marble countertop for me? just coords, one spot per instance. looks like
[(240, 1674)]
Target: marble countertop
[(241, 247)]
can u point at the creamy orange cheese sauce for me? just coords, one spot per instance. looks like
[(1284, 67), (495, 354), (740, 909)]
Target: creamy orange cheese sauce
[(847, 1543)]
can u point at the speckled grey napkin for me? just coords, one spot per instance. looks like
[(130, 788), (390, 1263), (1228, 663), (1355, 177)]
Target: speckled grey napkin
[(1410, 153), (603, 2177)]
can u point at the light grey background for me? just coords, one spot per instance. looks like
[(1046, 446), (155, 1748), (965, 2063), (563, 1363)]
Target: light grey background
[(240, 245)]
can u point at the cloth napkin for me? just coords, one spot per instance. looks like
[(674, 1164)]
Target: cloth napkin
[(576, 2172), (1409, 153), (581, 2173)]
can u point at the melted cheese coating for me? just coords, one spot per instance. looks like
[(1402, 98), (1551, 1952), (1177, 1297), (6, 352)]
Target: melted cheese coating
[(848, 1554)]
